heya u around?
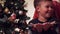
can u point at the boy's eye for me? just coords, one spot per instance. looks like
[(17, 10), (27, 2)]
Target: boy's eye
[(49, 6)]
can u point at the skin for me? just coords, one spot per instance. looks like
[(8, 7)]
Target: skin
[(45, 10)]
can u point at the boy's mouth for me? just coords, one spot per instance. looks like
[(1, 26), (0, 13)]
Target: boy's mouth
[(48, 13)]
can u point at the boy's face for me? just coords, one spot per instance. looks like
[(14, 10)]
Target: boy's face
[(45, 9)]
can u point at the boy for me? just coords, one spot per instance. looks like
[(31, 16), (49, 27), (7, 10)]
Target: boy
[(45, 23)]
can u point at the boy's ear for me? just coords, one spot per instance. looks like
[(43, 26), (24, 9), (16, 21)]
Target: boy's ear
[(37, 8)]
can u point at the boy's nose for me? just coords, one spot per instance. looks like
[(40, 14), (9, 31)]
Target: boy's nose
[(50, 9)]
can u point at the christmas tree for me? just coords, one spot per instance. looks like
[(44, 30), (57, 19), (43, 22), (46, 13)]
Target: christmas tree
[(17, 17)]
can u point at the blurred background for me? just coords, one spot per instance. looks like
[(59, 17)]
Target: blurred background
[(16, 14), (28, 6)]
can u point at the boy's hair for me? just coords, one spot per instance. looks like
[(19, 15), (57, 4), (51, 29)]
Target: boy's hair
[(37, 1)]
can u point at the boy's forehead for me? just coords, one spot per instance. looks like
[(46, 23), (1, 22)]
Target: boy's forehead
[(45, 2), (38, 2)]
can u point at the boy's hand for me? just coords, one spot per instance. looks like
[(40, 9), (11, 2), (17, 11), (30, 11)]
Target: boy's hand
[(37, 27), (46, 26)]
